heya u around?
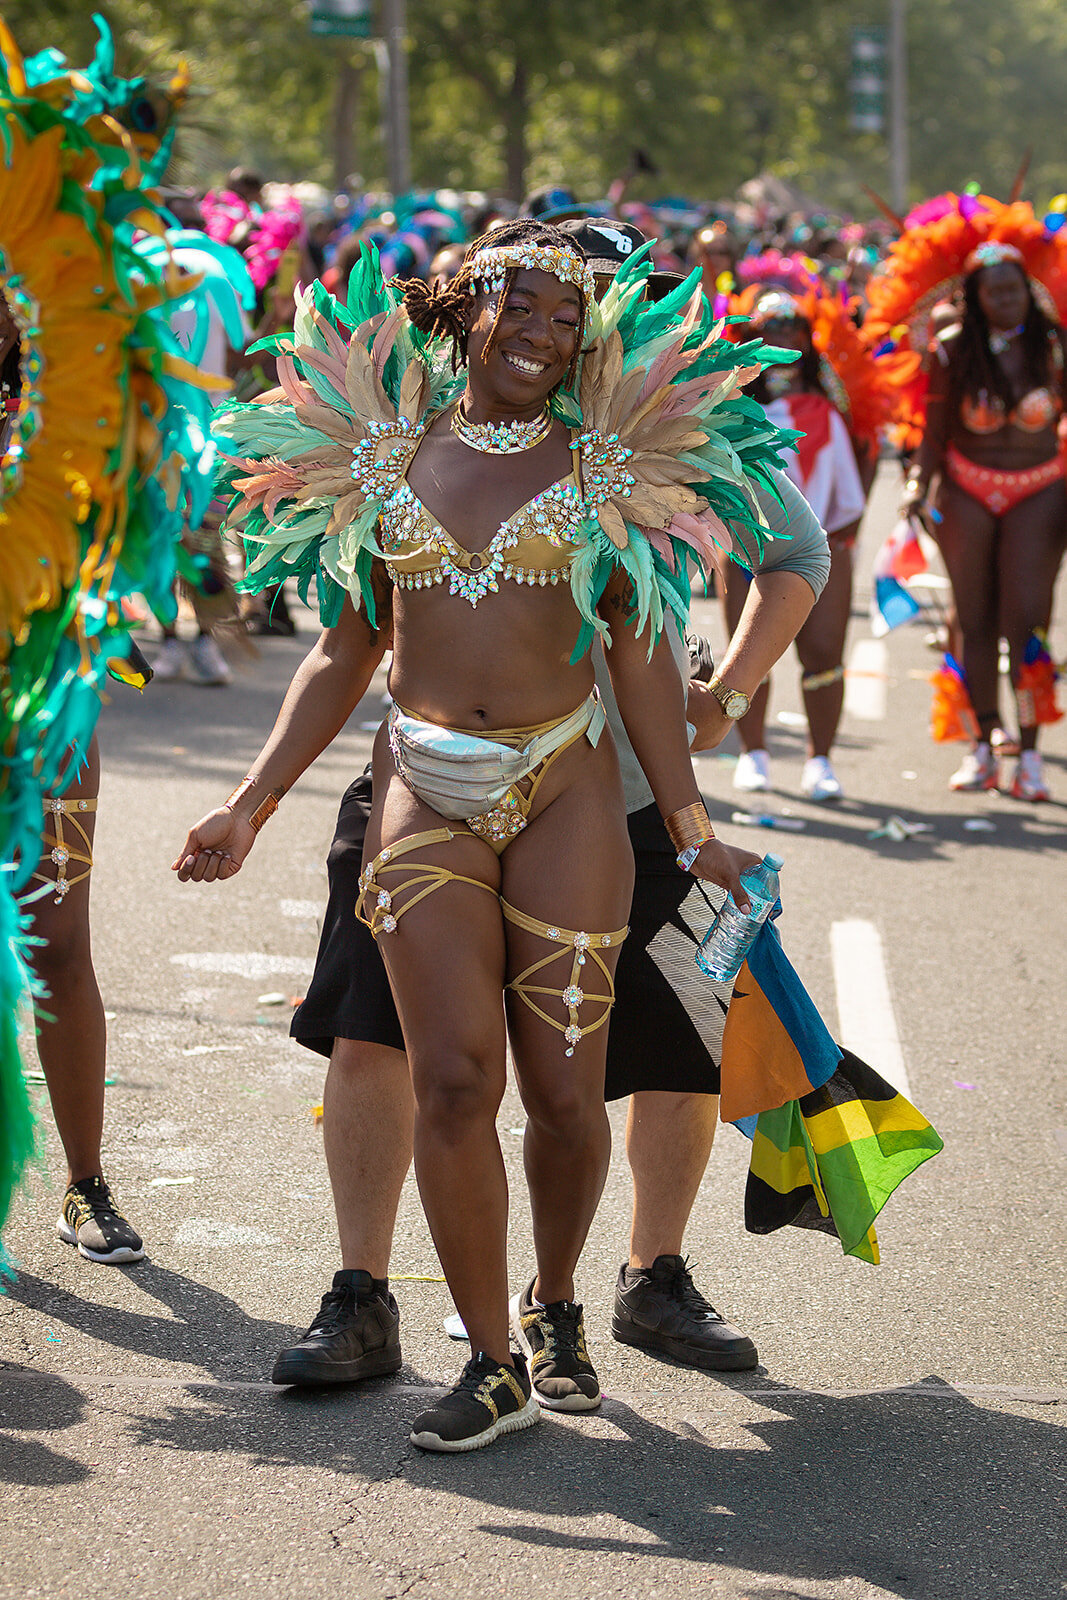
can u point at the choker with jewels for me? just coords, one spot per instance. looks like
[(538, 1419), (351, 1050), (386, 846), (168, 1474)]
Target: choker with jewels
[(489, 267), (501, 438), (999, 340)]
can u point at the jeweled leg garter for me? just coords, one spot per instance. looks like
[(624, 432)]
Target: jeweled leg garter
[(423, 876), (62, 849), (580, 947), (381, 909), (821, 680)]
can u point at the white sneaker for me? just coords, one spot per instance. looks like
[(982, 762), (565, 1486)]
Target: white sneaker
[(170, 662), (1029, 783), (979, 769), (819, 781), (207, 661), (753, 772)]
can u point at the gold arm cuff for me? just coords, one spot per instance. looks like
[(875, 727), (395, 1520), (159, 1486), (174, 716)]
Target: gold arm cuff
[(266, 808), (691, 825), (264, 812), (239, 793)]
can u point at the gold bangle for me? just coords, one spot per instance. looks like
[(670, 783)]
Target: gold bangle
[(691, 825), (266, 808), (239, 793), (264, 812)]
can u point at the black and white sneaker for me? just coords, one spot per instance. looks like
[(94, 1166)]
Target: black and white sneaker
[(90, 1220), (355, 1335), (553, 1337), (488, 1400), (660, 1308)]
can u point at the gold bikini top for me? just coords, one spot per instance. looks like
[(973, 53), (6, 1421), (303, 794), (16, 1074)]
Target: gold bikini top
[(1034, 412), (535, 545)]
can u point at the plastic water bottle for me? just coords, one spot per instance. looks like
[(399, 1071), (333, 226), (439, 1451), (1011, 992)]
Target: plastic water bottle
[(730, 937)]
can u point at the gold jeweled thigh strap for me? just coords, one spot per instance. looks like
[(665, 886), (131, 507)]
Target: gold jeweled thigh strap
[(63, 850), (580, 946), (427, 877)]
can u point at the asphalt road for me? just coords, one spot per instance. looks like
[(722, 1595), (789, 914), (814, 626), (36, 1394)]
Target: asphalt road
[(904, 1435)]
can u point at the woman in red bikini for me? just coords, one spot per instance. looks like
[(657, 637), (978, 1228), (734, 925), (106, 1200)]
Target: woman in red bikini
[(995, 400)]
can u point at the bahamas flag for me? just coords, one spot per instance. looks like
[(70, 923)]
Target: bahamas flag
[(831, 1140)]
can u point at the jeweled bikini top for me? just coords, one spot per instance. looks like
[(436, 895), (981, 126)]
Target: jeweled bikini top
[(1034, 412), (535, 545)]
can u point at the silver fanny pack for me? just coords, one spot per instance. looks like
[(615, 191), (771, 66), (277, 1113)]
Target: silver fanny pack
[(463, 774)]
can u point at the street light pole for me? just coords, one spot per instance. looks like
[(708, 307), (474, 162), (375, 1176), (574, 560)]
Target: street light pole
[(898, 105), (397, 130)]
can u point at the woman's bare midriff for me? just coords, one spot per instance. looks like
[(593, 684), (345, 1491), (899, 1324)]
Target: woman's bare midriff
[(1010, 449), (505, 664)]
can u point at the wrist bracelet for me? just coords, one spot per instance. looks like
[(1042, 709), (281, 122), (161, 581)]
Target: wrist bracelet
[(264, 811), (239, 793), (687, 828)]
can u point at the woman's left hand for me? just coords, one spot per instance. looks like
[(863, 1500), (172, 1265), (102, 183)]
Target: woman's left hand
[(723, 864)]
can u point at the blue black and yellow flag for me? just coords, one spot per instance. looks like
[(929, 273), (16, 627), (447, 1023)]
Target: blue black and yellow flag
[(831, 1140)]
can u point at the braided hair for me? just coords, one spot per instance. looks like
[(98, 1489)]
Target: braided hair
[(439, 310), (974, 368)]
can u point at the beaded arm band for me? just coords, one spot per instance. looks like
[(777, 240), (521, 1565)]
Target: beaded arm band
[(689, 828), (264, 811)]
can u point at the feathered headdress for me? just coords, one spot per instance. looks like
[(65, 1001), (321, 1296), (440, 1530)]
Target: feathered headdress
[(857, 385), (670, 446), (926, 266), (92, 496)]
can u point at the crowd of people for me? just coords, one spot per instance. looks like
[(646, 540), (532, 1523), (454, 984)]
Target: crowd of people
[(515, 524)]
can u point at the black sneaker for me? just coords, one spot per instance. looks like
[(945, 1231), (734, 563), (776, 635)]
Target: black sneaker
[(355, 1335), (90, 1221), (553, 1338), (659, 1308), (488, 1400)]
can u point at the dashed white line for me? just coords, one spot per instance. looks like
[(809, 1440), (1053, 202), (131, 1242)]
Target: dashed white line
[(865, 680), (864, 1005)]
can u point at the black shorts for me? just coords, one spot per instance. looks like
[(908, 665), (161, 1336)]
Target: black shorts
[(666, 1026)]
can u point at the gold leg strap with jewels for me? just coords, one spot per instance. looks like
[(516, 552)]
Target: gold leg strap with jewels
[(821, 680), (423, 876), (580, 946), (62, 849)]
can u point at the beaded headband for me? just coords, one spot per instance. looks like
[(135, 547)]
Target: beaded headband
[(489, 266), (990, 254)]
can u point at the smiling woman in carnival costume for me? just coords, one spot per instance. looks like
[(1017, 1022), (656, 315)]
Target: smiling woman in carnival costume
[(987, 407), (497, 522)]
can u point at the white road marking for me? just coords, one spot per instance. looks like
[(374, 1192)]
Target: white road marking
[(864, 1006), (311, 909), (865, 680), (252, 965)]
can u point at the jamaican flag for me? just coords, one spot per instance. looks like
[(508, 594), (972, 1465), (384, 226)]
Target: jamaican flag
[(831, 1140)]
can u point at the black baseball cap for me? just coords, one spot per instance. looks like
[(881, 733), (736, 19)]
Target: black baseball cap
[(606, 244)]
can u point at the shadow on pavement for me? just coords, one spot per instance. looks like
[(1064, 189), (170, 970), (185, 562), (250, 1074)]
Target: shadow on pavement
[(207, 1330), (46, 1407), (923, 1496)]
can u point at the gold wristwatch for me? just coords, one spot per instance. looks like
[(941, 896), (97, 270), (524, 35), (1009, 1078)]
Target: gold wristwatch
[(733, 701)]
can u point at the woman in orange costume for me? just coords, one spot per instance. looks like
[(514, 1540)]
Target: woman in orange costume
[(989, 463)]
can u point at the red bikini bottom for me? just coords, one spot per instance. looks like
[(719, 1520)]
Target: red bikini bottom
[(995, 489)]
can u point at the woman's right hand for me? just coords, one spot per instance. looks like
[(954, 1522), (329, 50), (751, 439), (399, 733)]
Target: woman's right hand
[(215, 848), (723, 864)]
